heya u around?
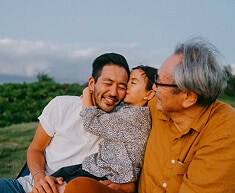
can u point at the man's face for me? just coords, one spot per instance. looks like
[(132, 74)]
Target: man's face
[(168, 101), (110, 87)]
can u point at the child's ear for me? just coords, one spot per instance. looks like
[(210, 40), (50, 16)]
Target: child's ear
[(149, 95)]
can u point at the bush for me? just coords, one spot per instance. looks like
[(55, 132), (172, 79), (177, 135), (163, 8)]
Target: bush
[(230, 90), (24, 102)]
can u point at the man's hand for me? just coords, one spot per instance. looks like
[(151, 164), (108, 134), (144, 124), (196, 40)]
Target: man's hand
[(126, 187), (48, 184)]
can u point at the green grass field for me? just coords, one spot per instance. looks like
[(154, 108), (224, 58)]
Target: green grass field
[(15, 139)]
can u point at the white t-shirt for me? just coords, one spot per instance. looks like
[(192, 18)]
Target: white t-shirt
[(70, 143)]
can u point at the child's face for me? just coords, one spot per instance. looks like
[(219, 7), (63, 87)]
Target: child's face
[(136, 88)]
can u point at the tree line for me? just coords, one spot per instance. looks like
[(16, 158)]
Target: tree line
[(24, 102), (230, 90)]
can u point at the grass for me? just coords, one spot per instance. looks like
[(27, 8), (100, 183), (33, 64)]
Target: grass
[(14, 141)]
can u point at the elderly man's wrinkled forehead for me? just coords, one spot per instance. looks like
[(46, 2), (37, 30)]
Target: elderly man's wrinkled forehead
[(168, 66)]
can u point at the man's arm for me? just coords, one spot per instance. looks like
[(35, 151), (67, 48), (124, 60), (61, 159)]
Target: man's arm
[(36, 163)]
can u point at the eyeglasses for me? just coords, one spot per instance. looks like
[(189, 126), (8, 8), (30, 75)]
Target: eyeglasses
[(163, 84), (168, 85)]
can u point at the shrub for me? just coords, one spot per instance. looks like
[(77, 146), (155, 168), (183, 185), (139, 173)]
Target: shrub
[(24, 102)]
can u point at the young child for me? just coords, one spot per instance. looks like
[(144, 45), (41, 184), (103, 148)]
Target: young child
[(125, 132)]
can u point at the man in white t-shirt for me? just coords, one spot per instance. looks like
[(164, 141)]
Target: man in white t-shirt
[(60, 139)]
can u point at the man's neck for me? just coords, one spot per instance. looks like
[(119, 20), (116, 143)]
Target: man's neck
[(184, 119)]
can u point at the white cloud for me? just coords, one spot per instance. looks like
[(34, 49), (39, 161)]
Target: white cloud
[(77, 53), (68, 62), (65, 62)]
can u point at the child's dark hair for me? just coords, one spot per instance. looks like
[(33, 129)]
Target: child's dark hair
[(150, 73), (108, 59)]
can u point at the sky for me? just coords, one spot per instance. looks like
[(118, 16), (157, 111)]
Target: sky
[(61, 38)]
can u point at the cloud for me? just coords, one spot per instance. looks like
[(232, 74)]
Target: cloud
[(24, 57), (233, 68), (65, 62)]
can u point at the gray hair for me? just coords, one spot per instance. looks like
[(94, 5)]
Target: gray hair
[(200, 70)]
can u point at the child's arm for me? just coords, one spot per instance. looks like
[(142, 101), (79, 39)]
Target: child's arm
[(86, 98), (127, 123)]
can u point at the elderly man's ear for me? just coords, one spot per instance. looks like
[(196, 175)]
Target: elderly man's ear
[(190, 98)]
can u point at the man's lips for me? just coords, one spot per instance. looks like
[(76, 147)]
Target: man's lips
[(110, 100)]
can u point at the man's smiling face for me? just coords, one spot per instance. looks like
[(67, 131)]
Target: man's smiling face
[(110, 87)]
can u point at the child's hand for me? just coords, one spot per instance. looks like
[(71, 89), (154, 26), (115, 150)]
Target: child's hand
[(126, 187), (61, 187), (86, 92), (111, 184), (86, 98)]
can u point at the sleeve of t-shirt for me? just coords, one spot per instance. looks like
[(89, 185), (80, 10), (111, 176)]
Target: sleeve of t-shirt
[(48, 118)]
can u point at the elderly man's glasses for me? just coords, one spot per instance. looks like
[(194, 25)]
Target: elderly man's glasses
[(163, 84)]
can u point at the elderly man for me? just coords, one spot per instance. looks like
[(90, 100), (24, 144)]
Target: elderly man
[(191, 147)]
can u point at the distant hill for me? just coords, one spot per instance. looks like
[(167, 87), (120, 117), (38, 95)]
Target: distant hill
[(6, 78)]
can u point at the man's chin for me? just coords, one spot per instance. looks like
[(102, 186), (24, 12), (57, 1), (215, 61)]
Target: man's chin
[(107, 108), (108, 105)]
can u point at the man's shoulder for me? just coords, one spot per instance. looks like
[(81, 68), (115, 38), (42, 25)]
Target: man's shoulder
[(67, 98), (66, 101), (221, 118), (223, 108)]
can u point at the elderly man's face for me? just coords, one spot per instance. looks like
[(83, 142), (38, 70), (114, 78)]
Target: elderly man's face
[(168, 101)]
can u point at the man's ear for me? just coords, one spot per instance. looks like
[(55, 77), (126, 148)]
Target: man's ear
[(91, 84), (190, 98), (149, 95)]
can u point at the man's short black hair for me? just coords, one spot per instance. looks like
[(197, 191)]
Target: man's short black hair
[(107, 59)]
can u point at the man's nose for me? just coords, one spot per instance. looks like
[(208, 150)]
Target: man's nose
[(114, 90)]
